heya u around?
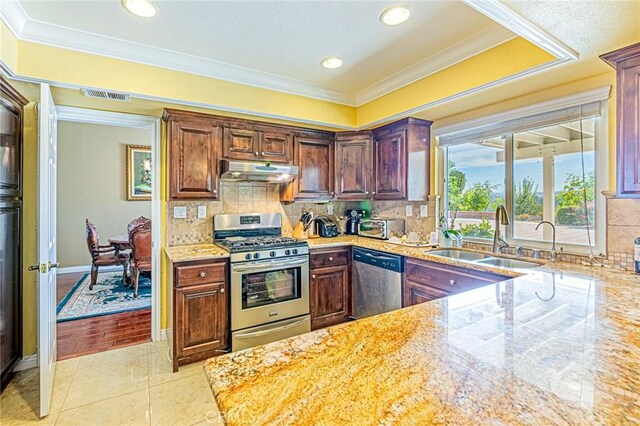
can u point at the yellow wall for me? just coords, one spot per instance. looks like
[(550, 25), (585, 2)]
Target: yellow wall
[(8, 47)]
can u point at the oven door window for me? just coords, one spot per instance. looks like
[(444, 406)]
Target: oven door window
[(266, 288)]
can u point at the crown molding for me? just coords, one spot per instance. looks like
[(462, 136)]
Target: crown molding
[(464, 49), (506, 17)]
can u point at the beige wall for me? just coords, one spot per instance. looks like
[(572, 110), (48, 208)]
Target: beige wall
[(92, 184)]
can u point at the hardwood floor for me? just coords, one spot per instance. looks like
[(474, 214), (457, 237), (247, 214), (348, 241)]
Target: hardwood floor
[(99, 334)]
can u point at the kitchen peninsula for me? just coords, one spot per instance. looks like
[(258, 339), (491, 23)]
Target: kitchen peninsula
[(557, 345)]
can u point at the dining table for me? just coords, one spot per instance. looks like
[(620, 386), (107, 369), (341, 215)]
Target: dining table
[(120, 242)]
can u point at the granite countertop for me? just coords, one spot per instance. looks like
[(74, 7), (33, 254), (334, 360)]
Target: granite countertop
[(555, 345), (195, 252)]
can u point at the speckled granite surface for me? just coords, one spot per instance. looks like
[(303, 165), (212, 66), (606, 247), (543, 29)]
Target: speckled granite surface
[(557, 345), (195, 252)]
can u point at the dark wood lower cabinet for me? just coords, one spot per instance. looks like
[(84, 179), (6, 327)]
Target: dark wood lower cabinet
[(415, 293), (330, 286), (200, 311)]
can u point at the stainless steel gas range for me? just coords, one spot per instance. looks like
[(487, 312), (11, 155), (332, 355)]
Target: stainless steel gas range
[(269, 279)]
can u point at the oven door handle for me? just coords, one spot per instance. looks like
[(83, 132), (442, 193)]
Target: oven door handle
[(258, 266), (272, 330)]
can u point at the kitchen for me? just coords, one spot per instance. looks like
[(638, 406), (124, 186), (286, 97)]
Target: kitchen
[(446, 242)]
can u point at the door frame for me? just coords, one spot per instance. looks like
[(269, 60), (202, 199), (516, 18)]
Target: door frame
[(91, 116)]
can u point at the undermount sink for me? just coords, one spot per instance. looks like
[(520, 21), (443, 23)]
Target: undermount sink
[(459, 254), (508, 263)]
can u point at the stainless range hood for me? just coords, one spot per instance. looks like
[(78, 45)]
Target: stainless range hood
[(253, 171)]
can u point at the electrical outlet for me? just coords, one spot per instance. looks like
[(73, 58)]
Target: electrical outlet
[(424, 210), (329, 208), (180, 212), (202, 212), (409, 210)]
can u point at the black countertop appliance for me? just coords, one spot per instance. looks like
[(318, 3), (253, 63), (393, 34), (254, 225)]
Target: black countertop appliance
[(354, 217), (326, 228)]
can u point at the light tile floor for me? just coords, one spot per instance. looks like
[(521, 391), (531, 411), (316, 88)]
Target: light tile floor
[(128, 386)]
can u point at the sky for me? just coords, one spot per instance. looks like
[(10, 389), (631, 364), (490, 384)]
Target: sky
[(479, 164)]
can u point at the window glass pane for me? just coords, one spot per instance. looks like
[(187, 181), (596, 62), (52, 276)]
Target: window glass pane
[(548, 182), (475, 186)]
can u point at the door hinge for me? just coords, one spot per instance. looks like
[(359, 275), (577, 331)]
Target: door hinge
[(43, 268)]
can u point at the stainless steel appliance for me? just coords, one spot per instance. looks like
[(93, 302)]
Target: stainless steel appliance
[(354, 216), (377, 279), (269, 279), (381, 228), (257, 172), (326, 228)]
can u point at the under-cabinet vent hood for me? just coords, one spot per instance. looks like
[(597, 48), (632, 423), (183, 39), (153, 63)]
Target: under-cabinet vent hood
[(253, 171)]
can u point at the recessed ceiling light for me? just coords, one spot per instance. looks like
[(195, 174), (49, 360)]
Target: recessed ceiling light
[(141, 8), (332, 62), (395, 15)]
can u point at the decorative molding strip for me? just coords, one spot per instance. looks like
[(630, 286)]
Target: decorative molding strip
[(506, 17), (87, 268), (576, 99), (465, 49), (24, 28), (26, 363), (5, 70), (94, 116)]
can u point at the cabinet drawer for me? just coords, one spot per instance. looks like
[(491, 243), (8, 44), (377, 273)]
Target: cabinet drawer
[(330, 257), (448, 278), (203, 273)]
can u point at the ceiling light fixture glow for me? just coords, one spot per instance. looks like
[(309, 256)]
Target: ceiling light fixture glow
[(395, 15), (332, 62), (141, 8)]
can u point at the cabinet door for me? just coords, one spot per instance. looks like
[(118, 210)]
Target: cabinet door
[(240, 144), (10, 151), (629, 129), (390, 177), (276, 146), (330, 296), (10, 330), (415, 293), (353, 166), (194, 151), (202, 319), (314, 158)]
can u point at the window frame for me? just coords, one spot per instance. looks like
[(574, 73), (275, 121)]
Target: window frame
[(601, 166)]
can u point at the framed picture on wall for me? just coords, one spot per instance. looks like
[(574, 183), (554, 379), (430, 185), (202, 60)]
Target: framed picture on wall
[(139, 173)]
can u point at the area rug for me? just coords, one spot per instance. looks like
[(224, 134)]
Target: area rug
[(108, 296)]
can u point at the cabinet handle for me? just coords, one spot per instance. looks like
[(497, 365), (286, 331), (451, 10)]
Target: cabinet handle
[(202, 274), (222, 290), (330, 259), (452, 282), (313, 276)]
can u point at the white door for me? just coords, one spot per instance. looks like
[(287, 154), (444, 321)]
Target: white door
[(47, 158)]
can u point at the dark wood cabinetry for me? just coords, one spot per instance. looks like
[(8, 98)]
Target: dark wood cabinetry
[(276, 145), (626, 61), (330, 286), (11, 123), (200, 302), (353, 165), (194, 151), (401, 160), (425, 280), (313, 154), (257, 143), (241, 144)]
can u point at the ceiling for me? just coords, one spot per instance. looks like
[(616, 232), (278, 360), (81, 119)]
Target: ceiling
[(277, 44)]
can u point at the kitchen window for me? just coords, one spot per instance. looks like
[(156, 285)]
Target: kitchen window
[(550, 166)]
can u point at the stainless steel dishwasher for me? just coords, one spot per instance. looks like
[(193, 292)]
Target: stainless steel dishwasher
[(377, 281)]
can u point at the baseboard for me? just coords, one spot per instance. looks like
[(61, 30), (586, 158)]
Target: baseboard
[(27, 362), (163, 334), (87, 268)]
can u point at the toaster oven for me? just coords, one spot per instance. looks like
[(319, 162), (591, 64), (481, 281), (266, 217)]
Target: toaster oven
[(382, 229)]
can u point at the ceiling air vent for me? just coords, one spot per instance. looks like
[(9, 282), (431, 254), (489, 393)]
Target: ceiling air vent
[(103, 94)]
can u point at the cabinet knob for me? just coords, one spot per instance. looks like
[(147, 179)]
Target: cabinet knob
[(330, 259), (222, 290), (202, 274), (215, 191), (313, 276), (256, 153), (366, 192), (452, 282), (263, 153), (374, 192), (333, 193)]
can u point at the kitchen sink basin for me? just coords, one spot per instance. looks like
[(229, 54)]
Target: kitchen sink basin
[(459, 254), (508, 263)]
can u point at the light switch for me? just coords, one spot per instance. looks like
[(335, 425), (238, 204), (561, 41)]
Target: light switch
[(409, 210), (202, 212), (424, 210), (180, 212)]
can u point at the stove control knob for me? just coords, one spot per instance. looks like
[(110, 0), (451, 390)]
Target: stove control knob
[(294, 251), (247, 256), (287, 252), (272, 254), (256, 256)]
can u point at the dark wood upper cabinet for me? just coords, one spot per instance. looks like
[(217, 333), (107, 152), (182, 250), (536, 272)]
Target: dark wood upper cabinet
[(626, 61), (313, 154), (241, 144), (353, 165), (276, 146), (401, 160)]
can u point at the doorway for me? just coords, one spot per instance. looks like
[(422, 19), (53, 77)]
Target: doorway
[(107, 166)]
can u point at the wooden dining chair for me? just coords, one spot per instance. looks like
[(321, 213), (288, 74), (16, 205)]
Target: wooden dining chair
[(104, 255), (140, 260)]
